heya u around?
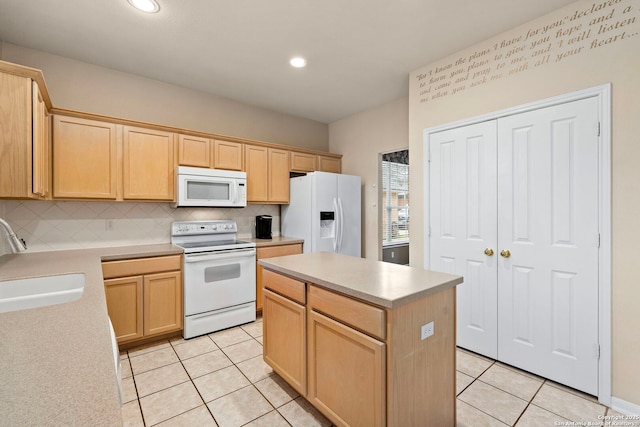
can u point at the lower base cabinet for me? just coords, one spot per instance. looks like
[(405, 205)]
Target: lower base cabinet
[(360, 364), (284, 349), (144, 296), (346, 370)]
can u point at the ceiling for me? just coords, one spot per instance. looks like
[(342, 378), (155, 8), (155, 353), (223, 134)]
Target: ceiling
[(359, 52)]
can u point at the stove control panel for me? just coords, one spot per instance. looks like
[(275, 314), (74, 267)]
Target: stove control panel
[(203, 227)]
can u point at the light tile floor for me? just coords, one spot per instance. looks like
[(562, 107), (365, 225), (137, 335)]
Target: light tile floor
[(221, 380)]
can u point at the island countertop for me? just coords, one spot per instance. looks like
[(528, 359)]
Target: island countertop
[(380, 283)]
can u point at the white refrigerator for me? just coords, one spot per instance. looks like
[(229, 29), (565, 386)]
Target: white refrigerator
[(324, 210)]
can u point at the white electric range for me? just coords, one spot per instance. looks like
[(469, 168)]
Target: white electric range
[(219, 276)]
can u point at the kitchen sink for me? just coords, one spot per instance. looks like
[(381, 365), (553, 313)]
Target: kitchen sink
[(33, 292)]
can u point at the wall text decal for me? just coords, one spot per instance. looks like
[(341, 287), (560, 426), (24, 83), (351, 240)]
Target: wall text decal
[(595, 26)]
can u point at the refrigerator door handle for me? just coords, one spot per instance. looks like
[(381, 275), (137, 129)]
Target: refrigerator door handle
[(337, 220), (340, 223)]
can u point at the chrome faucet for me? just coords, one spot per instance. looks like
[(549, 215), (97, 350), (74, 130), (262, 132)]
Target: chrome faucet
[(16, 244)]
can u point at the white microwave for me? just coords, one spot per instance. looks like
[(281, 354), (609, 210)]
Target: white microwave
[(210, 188)]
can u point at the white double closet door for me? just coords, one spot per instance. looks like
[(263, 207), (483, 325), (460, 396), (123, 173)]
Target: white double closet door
[(514, 209)]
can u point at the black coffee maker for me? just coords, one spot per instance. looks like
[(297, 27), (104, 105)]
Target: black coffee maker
[(263, 226)]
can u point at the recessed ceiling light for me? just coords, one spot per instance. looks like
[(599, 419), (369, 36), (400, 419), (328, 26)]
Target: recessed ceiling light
[(149, 6), (298, 62)]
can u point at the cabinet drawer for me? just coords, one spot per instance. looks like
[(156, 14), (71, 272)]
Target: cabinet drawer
[(274, 251), (135, 267), (361, 316), (290, 288)]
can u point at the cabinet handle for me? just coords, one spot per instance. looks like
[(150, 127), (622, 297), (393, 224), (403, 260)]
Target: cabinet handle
[(488, 252), (505, 253)]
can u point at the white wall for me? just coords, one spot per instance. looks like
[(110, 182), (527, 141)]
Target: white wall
[(592, 55), (360, 139)]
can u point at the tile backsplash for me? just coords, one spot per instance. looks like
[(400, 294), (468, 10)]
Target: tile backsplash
[(55, 225)]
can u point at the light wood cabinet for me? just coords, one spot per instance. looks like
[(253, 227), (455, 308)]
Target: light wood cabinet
[(162, 303), (84, 158), (125, 307), (41, 155), (346, 371), (88, 156), (257, 167), (194, 151), (284, 328), (329, 164), (270, 252), (228, 155), (24, 139), (303, 162), (144, 296), (278, 176), (267, 174), (148, 164)]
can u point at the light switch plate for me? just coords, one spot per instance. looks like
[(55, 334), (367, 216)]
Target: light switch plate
[(426, 331)]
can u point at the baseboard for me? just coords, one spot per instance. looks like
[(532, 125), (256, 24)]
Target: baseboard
[(624, 407)]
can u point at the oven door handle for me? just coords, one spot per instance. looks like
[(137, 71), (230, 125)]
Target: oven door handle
[(219, 256)]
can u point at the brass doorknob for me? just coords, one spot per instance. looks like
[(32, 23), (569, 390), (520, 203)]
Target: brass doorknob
[(488, 252), (505, 253)]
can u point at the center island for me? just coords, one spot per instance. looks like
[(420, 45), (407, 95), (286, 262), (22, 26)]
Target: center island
[(367, 343)]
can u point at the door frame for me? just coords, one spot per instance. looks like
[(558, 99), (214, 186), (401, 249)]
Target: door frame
[(603, 95)]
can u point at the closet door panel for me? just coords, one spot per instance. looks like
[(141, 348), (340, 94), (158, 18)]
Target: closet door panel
[(548, 221), (463, 227)]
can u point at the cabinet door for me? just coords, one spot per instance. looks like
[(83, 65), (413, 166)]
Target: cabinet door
[(15, 136), (162, 303), (463, 211), (194, 151), (148, 164), (256, 163), (329, 164), (346, 373), (284, 349), (124, 304), (302, 162), (84, 158), (41, 154), (278, 176), (228, 155)]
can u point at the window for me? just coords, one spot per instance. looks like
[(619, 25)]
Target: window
[(395, 198)]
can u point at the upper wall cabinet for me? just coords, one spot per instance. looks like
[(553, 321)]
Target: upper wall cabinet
[(84, 158), (278, 176), (24, 139), (209, 153), (256, 164), (267, 174), (329, 164), (148, 164), (41, 145), (194, 151), (87, 156), (228, 155), (303, 162)]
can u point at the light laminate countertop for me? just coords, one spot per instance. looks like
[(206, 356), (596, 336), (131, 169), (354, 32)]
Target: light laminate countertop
[(56, 362), (380, 283)]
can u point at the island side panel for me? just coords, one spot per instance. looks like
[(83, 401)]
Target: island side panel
[(421, 374)]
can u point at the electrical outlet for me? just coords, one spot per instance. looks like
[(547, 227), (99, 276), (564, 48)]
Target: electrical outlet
[(108, 224), (426, 331), (393, 254)]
